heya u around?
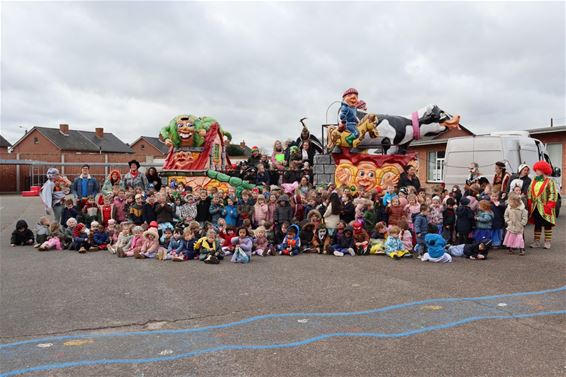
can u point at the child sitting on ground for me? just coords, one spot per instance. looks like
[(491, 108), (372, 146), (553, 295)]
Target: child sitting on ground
[(174, 248), (291, 243), (393, 246), (150, 246), (22, 235), (54, 240), (361, 238), (41, 231), (343, 242), (135, 244), (209, 250), (100, 238), (243, 243), (262, 246), (80, 239), (68, 232), (123, 242), (435, 244), (188, 246), (406, 236)]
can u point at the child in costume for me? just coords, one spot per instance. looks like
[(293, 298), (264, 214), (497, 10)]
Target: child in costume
[(393, 246), (541, 199), (361, 238), (435, 244), (291, 242), (516, 217), (349, 114), (136, 212), (378, 237), (22, 235), (321, 240), (80, 239), (243, 247)]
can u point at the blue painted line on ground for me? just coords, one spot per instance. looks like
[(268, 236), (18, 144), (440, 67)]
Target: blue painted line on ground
[(282, 315), (48, 367)]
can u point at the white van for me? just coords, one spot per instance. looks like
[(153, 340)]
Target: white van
[(513, 148)]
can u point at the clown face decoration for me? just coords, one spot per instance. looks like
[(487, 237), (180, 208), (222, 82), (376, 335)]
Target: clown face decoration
[(186, 130), (366, 176)]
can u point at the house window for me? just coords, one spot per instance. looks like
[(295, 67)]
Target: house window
[(435, 171), (142, 146), (35, 140)]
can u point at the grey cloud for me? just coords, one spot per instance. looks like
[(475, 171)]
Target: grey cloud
[(259, 67)]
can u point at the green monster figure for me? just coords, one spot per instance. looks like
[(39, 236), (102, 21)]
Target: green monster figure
[(187, 131)]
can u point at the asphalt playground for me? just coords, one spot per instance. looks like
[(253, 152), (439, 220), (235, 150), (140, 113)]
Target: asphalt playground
[(69, 314)]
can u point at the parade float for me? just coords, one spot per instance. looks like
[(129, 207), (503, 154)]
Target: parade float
[(359, 131), (197, 153)]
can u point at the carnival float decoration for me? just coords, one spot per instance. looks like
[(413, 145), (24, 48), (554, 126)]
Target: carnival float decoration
[(197, 152), (358, 131)]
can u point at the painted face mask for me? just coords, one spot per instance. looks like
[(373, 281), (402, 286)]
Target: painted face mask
[(322, 233)]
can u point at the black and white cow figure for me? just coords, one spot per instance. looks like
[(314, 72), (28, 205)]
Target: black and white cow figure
[(395, 132)]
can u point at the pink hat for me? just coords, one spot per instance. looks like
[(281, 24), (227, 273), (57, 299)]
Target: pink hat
[(349, 91)]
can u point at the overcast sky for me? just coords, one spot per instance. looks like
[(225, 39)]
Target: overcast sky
[(259, 67)]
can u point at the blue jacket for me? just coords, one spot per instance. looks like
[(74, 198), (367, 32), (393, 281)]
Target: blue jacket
[(176, 245), (484, 219), (393, 244), (231, 215), (92, 188), (215, 211), (100, 238), (387, 198), (348, 115), (421, 224), (435, 245)]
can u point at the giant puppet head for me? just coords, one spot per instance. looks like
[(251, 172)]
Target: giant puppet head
[(186, 131)]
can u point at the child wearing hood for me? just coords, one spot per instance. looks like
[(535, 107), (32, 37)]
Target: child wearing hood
[(135, 243), (435, 252), (150, 246), (80, 239), (291, 242), (244, 243), (516, 217), (283, 214), (260, 211), (22, 235)]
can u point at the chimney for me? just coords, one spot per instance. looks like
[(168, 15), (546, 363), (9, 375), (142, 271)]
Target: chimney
[(242, 144), (64, 129), (99, 132)]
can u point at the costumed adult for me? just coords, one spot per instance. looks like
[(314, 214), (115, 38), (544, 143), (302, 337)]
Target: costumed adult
[(114, 179), (409, 178), (52, 196), (255, 158), (521, 179), (84, 186), (134, 178), (315, 145), (541, 200), (475, 175), (501, 178), (153, 178)]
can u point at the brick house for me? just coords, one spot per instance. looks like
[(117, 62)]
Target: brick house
[(238, 152), (148, 146), (4, 145), (66, 145)]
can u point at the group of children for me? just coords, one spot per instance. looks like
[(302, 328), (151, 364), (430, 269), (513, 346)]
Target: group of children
[(180, 224)]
